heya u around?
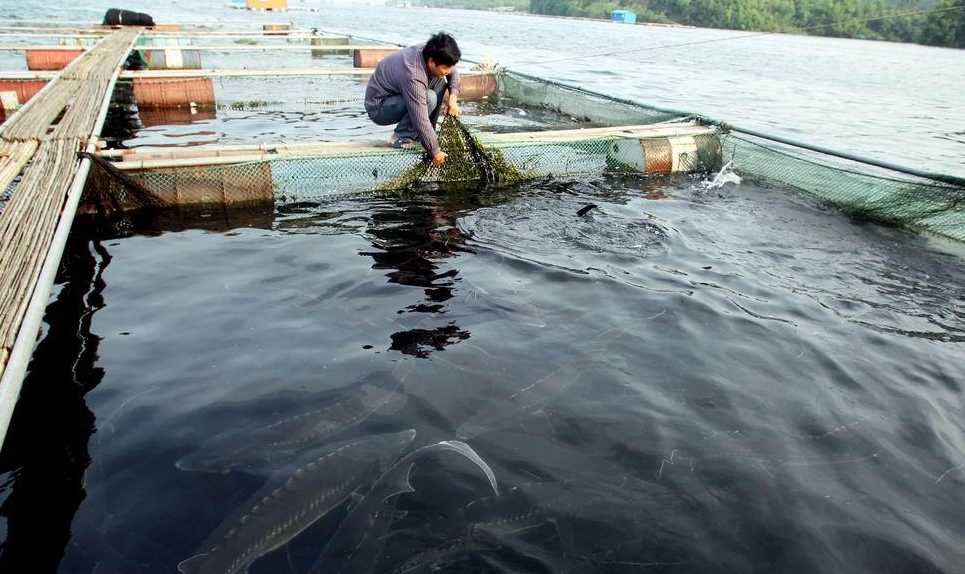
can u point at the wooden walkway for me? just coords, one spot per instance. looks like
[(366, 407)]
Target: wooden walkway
[(45, 136)]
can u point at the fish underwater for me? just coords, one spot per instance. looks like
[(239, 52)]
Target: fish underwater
[(255, 450), (282, 509), (536, 524), (528, 401), (355, 546), (531, 399)]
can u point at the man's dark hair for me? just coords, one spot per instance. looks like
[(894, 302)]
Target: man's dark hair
[(442, 48)]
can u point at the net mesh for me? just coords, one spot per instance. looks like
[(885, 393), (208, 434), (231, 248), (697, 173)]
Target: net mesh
[(526, 91), (312, 178), (858, 189)]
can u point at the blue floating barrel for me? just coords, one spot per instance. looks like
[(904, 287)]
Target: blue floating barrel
[(172, 59), (625, 16)]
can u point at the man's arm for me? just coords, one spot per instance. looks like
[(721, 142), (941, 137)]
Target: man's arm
[(453, 103), (415, 102)]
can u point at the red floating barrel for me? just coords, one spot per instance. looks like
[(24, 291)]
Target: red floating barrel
[(370, 57), (173, 92), (276, 29), (24, 89), (473, 88), (173, 116), (658, 156), (51, 60)]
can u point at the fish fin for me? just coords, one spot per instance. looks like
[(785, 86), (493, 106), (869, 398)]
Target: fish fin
[(565, 533), (399, 483), (468, 452), (193, 564)]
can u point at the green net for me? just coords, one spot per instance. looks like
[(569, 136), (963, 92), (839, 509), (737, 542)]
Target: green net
[(858, 189), (468, 161), (319, 177), (527, 91)]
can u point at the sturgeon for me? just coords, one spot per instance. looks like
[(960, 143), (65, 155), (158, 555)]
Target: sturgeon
[(276, 514), (355, 546), (253, 450)]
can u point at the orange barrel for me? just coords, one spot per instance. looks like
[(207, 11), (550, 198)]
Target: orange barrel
[(276, 29), (225, 185), (22, 90), (475, 87), (151, 117), (667, 155), (50, 60), (172, 59), (267, 5), (327, 41), (370, 57), (173, 92)]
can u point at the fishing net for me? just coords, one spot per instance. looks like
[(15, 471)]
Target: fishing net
[(858, 189), (468, 161), (528, 91), (319, 176)]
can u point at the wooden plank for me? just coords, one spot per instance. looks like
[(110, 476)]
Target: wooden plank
[(35, 223), (218, 73), (147, 158), (232, 48)]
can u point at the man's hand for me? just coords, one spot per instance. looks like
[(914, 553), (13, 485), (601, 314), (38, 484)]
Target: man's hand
[(439, 158), (453, 107)]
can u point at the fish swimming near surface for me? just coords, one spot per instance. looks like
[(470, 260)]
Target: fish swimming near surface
[(512, 410), (530, 400), (355, 546), (279, 512), (255, 450), (532, 521), (585, 209)]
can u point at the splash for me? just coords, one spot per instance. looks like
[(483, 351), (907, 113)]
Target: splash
[(723, 177)]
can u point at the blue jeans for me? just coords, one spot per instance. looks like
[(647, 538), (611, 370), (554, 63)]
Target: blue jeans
[(394, 111)]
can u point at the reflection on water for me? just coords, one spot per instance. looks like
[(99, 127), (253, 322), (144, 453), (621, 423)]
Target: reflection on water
[(414, 237), (45, 455)]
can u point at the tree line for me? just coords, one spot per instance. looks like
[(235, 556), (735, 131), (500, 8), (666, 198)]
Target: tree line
[(867, 19)]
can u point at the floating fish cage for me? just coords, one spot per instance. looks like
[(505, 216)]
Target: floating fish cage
[(580, 134), (179, 78)]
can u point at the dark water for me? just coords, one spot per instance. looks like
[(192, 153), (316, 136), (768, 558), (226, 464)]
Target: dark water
[(683, 380)]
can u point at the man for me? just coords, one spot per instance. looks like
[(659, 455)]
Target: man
[(407, 89)]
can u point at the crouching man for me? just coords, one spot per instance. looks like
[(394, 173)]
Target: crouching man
[(407, 89)]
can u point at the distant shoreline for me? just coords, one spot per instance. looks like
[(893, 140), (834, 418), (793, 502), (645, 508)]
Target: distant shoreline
[(692, 27)]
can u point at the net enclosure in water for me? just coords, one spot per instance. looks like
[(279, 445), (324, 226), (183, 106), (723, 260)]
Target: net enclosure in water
[(615, 136)]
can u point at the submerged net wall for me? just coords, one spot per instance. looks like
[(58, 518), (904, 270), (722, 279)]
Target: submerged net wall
[(529, 91), (859, 189), (312, 177)]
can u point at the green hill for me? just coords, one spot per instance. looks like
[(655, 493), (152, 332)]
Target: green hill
[(842, 18)]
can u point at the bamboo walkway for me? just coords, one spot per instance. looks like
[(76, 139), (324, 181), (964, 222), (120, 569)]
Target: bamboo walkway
[(45, 136)]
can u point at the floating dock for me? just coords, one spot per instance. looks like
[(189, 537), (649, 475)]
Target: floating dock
[(39, 143)]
